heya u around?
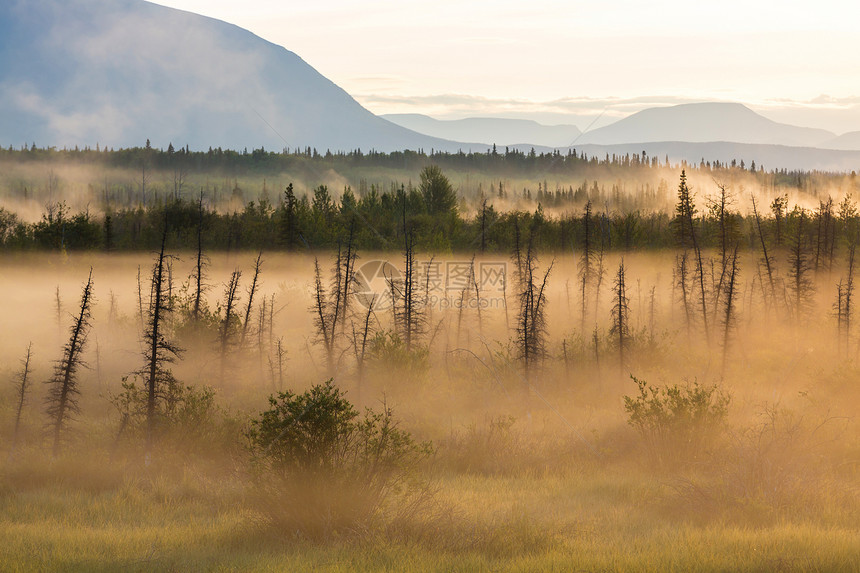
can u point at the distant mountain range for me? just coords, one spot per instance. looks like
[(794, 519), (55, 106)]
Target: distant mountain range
[(703, 122), (695, 123), (489, 130), (119, 72), (850, 140)]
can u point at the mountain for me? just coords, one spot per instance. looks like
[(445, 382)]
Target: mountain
[(850, 140), (704, 122), (119, 72), (498, 131)]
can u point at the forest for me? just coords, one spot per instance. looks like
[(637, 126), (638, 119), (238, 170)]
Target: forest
[(120, 200)]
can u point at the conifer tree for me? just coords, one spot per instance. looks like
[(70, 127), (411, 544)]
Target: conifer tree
[(800, 285), (63, 392), (620, 313), (21, 390), (159, 351)]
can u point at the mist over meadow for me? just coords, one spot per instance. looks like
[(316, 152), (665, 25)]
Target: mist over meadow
[(515, 403)]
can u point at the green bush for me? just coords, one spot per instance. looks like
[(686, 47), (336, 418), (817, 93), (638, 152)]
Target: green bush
[(677, 421), (187, 417), (387, 352), (321, 468)]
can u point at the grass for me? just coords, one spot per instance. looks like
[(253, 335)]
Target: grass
[(604, 517)]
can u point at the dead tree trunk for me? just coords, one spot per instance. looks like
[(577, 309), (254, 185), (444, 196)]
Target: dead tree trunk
[(62, 400), (730, 310), (621, 314), (230, 318), (258, 264), (159, 350), (21, 392)]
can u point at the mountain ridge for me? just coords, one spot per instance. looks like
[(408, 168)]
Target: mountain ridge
[(705, 122), (489, 130), (118, 72)]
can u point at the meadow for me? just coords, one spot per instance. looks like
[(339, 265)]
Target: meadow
[(675, 424)]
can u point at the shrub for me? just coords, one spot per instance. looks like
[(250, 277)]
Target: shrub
[(676, 421), (387, 352), (322, 469), (186, 416)]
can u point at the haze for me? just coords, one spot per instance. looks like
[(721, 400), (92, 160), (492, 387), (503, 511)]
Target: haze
[(570, 62)]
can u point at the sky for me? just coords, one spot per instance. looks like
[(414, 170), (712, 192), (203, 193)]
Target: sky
[(586, 63)]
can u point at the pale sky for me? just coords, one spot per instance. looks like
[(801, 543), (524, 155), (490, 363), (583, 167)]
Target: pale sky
[(571, 61)]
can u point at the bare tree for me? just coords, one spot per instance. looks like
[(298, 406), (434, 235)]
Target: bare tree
[(620, 313), (727, 234), (21, 397), (359, 344), (844, 298), (686, 232), (410, 316), (323, 317), (158, 350), (800, 285), (730, 304), (824, 237), (681, 281), (201, 263), (849, 294), (59, 307), (231, 319), (531, 318), (347, 274), (280, 356), (768, 260), (586, 263), (62, 399), (483, 225), (258, 264)]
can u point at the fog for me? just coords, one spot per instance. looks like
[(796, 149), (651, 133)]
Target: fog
[(772, 357)]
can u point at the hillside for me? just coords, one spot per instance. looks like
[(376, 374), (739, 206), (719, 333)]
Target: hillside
[(119, 72), (489, 130), (704, 122)]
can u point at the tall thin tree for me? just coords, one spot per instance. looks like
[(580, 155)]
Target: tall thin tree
[(531, 318), (231, 319), (252, 290), (158, 350), (730, 304), (63, 392), (21, 390), (621, 313), (800, 285), (201, 261), (768, 261)]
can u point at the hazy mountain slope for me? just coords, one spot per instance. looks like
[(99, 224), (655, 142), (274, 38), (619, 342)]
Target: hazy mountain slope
[(78, 72), (488, 130), (703, 122), (850, 140)]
